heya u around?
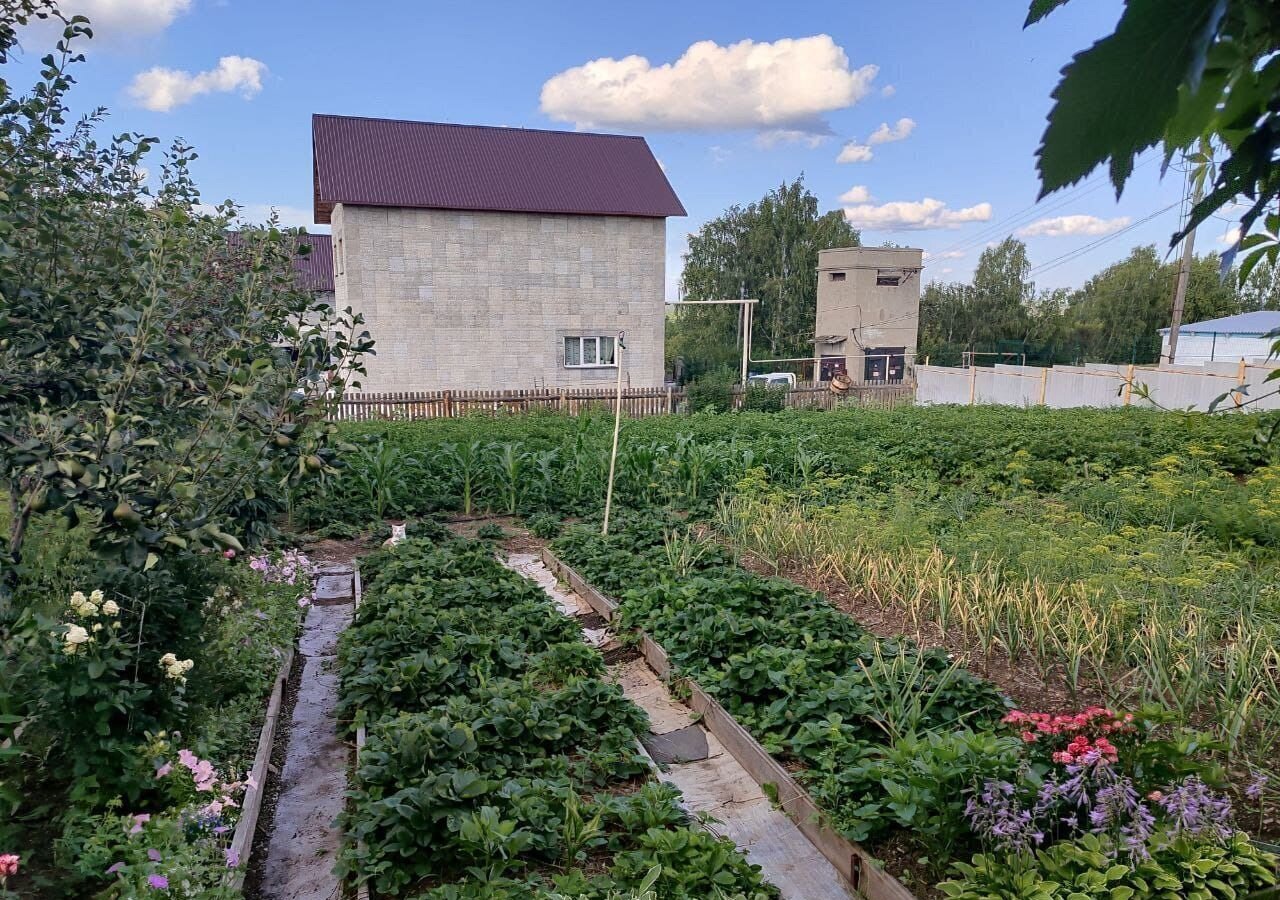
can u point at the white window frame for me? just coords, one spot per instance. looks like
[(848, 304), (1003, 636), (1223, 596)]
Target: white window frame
[(592, 340)]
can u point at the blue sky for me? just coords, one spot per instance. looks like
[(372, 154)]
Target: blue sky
[(727, 120)]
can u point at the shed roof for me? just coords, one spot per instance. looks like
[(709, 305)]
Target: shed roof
[(432, 165), (1249, 324), (315, 270)]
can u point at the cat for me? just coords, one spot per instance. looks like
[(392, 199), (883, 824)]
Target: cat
[(397, 535)]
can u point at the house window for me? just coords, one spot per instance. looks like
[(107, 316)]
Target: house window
[(837, 276), (888, 279), (588, 352)]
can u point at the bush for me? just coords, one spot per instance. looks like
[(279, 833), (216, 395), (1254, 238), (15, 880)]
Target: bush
[(711, 393), (764, 398), (543, 525)]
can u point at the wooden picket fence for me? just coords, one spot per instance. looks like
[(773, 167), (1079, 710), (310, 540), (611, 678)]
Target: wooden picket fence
[(636, 402)]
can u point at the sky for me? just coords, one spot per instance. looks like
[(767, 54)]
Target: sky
[(918, 118)]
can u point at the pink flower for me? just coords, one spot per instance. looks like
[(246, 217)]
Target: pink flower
[(250, 781), (159, 882), (8, 864), (114, 868), (229, 553), (154, 855), (138, 821), (187, 758), (164, 770), (233, 858)]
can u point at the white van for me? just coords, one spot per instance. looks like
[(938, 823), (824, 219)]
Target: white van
[(774, 379)]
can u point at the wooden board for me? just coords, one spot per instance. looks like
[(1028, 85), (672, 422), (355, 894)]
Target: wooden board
[(251, 803), (859, 868)]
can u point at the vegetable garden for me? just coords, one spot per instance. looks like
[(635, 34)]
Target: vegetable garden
[(1064, 680)]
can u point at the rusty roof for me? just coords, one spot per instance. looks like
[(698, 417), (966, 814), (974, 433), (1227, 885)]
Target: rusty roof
[(431, 165)]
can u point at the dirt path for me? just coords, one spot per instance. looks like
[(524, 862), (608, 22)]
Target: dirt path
[(714, 783), (304, 838)]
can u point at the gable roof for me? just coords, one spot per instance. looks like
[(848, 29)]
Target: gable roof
[(430, 165), (1250, 324), (315, 270)]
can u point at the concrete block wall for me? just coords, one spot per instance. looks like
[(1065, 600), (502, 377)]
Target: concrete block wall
[(483, 300)]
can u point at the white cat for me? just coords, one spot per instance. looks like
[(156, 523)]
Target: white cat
[(397, 535)]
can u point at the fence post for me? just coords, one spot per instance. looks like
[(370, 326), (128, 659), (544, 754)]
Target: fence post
[(1044, 384), (1241, 374), (1128, 384), (448, 404), (973, 383)]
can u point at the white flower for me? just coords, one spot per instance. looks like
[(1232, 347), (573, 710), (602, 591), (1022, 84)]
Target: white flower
[(96, 597), (75, 636), (175, 669), (78, 598), (111, 608), (97, 626)]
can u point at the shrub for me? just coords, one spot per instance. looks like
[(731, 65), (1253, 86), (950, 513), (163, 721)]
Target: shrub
[(711, 393), (764, 398)]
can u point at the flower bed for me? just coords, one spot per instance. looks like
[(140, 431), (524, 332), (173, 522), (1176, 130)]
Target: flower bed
[(497, 762), (171, 835), (900, 747)]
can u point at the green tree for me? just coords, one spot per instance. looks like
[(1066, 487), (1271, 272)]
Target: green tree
[(159, 382), (767, 250)]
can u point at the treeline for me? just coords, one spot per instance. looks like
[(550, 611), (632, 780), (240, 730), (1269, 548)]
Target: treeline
[(1115, 317)]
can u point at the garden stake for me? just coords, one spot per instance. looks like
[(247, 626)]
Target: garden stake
[(619, 346)]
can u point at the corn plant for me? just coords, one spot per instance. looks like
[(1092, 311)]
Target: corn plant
[(465, 463)]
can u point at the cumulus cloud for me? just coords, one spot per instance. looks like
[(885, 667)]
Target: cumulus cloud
[(789, 84), (1067, 226), (767, 140), (899, 132), (914, 215), (160, 89), (853, 152), (112, 18), (888, 91), (859, 193)]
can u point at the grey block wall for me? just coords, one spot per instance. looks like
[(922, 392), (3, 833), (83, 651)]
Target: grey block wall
[(483, 300)]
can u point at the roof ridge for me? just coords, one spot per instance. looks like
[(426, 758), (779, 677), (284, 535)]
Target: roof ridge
[(603, 134)]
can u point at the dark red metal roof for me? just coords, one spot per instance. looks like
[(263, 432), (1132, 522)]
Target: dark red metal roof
[(315, 270), (428, 165)]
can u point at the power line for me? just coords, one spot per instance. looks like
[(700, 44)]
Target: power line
[(1080, 251)]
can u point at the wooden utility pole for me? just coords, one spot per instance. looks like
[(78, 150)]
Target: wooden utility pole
[(1184, 275)]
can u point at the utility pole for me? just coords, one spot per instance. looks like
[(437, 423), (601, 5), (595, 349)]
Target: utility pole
[(1184, 273)]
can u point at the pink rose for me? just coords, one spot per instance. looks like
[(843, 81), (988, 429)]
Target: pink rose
[(229, 553)]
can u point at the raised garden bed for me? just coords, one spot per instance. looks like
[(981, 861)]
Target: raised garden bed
[(858, 867)]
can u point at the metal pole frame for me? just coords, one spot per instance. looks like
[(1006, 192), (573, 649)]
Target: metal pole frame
[(618, 347)]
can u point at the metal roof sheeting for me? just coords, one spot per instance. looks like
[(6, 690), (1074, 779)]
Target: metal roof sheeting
[(429, 165), (1256, 324), (315, 270)]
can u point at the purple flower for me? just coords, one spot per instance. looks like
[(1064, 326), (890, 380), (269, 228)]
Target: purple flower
[(997, 816), (1253, 790), (233, 858), (114, 868), (154, 855), (159, 882), (1195, 810)]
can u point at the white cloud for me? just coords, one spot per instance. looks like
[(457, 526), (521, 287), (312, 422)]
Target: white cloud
[(1229, 239), (111, 18), (1066, 226), (914, 215), (888, 91), (950, 254), (767, 140), (859, 193), (719, 154), (788, 84), (944, 272), (853, 152), (160, 89), (899, 132)]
